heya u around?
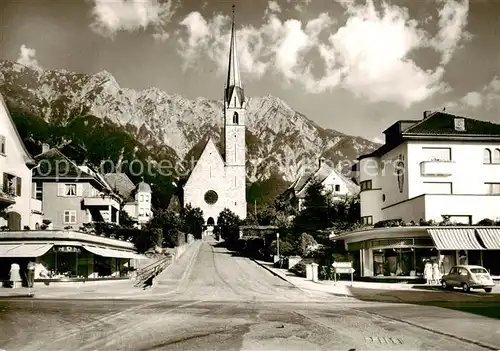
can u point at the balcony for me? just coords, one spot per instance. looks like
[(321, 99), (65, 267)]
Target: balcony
[(437, 168), (36, 206), (7, 197), (101, 201)]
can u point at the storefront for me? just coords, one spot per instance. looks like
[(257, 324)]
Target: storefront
[(64, 255), (402, 252)]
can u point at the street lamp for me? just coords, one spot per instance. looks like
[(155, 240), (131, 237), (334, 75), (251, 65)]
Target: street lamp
[(278, 244)]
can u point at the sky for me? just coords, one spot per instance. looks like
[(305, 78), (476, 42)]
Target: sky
[(356, 66)]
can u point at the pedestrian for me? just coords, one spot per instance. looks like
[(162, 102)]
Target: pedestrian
[(30, 274), (428, 272), (436, 274), (14, 275)]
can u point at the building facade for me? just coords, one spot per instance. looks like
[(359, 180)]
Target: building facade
[(434, 179), (72, 195), (218, 181), (335, 184), (441, 167), (16, 202)]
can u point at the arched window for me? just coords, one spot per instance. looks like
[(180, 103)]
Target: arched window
[(496, 156), (235, 118), (487, 156)]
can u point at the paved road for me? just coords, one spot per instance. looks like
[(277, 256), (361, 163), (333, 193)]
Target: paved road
[(220, 302)]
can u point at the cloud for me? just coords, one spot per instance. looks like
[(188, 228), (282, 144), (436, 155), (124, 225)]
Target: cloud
[(488, 97), (272, 6), (27, 57), (113, 16), (370, 55), (452, 23)]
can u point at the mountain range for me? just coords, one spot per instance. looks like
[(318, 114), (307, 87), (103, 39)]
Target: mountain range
[(281, 142)]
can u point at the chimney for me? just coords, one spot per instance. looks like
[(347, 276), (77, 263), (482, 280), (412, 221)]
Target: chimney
[(427, 113), (321, 161), (45, 147)]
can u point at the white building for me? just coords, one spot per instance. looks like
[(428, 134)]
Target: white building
[(16, 164), (442, 166), (218, 181), (136, 199), (335, 184)]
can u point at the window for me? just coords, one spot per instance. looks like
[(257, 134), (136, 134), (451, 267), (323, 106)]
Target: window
[(487, 156), (146, 198), (142, 198), (69, 217), (496, 156), (437, 188), (235, 118), (437, 154), (492, 188), (337, 187), (11, 184), (367, 220), (38, 188), (366, 185), (383, 197), (141, 212), (69, 189), (2, 144)]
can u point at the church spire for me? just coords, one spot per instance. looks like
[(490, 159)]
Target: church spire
[(233, 74)]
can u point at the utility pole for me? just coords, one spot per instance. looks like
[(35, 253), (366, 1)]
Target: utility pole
[(255, 208)]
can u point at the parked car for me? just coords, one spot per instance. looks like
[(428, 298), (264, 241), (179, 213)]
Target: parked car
[(468, 277)]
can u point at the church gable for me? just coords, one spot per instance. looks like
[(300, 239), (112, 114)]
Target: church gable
[(209, 165)]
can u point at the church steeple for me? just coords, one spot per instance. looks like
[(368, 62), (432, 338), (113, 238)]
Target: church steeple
[(234, 87)]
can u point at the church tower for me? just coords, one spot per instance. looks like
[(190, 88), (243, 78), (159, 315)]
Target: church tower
[(234, 130)]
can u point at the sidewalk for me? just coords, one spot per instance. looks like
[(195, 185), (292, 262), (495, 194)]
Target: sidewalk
[(382, 292), (122, 289)]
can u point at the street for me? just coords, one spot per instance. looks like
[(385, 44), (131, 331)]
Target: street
[(212, 299)]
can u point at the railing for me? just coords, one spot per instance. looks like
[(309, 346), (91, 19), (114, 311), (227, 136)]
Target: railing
[(151, 271)]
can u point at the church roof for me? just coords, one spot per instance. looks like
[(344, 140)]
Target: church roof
[(198, 151)]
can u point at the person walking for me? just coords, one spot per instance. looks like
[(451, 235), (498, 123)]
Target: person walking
[(428, 272), (14, 275), (436, 274), (30, 273)]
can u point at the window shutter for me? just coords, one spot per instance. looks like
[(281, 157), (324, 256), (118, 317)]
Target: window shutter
[(79, 189), (60, 189), (18, 186), (5, 182)]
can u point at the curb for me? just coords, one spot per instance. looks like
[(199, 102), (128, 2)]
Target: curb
[(16, 296), (275, 274)]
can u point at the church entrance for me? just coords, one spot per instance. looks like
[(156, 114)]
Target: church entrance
[(209, 228), (210, 221)]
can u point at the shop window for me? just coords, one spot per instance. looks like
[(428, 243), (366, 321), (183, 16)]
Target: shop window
[(496, 156), (394, 262), (492, 188)]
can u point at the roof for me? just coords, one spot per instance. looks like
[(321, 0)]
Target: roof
[(143, 187), (198, 151), (121, 184), (323, 172), (27, 157), (53, 163), (437, 125)]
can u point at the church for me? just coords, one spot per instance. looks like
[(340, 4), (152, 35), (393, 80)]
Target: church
[(218, 181)]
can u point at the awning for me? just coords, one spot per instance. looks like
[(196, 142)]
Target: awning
[(24, 250), (455, 239), (107, 252), (490, 237)]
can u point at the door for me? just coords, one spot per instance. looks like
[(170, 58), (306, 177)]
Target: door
[(451, 279), (14, 221)]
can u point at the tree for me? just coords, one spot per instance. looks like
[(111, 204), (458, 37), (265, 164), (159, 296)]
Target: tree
[(193, 221), (315, 215), (125, 220), (228, 223)]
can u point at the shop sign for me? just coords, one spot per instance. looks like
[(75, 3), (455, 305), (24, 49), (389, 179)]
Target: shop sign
[(67, 249)]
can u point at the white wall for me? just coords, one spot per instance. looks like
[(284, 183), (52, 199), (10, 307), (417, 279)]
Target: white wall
[(468, 175), (14, 162)]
